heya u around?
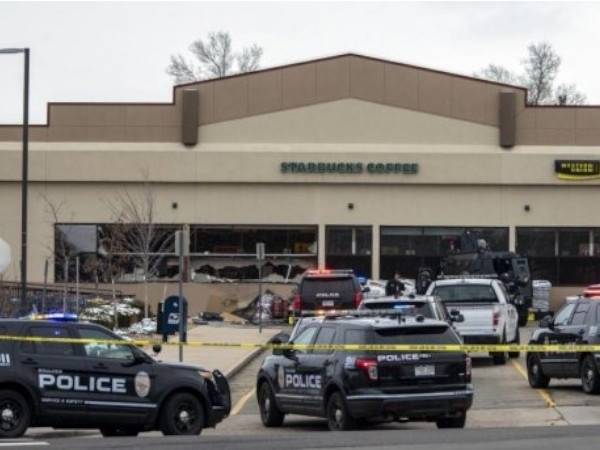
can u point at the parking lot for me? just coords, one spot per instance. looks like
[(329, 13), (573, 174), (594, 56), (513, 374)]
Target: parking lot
[(503, 399)]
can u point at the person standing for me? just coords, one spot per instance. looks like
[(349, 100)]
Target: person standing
[(395, 287)]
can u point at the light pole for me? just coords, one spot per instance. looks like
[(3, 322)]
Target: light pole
[(25, 166)]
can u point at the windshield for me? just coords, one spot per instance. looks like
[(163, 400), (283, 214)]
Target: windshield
[(406, 307), (429, 335), (466, 294)]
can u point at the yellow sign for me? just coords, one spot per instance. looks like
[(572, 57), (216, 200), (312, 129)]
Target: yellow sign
[(575, 170)]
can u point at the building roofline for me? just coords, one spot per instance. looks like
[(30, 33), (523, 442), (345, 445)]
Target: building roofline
[(299, 63)]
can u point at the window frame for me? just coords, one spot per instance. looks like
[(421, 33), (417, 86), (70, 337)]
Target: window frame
[(110, 336), (332, 341), (23, 348)]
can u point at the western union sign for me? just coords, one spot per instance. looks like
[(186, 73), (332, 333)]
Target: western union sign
[(577, 169)]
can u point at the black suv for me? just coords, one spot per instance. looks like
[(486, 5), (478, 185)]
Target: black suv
[(356, 387), (111, 386), (327, 290), (577, 322)]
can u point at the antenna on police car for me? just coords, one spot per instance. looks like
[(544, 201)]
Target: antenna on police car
[(4, 255)]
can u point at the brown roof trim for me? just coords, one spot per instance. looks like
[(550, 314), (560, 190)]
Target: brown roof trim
[(356, 55), (300, 63)]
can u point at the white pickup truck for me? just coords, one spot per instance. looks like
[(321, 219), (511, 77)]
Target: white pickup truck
[(489, 317)]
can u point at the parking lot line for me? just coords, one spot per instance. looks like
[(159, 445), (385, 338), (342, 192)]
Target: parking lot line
[(23, 444), (241, 402), (542, 392)]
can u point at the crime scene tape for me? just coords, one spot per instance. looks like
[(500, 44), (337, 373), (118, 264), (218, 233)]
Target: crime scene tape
[(460, 348)]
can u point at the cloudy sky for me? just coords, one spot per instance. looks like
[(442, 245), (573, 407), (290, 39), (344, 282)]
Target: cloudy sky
[(119, 51)]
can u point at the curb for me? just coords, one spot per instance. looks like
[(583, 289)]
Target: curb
[(243, 363)]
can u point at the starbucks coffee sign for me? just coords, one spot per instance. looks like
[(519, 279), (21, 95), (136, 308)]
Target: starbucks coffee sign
[(349, 168)]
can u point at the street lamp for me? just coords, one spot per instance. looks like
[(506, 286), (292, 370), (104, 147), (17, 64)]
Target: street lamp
[(25, 167)]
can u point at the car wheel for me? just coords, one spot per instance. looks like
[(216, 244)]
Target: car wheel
[(453, 422), (516, 341), (15, 414), (182, 414), (338, 417), (590, 379), (535, 374), (270, 414), (500, 358), (118, 432)]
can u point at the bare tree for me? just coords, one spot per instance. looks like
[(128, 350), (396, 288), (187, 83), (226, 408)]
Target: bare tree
[(567, 94), (142, 238), (498, 73), (59, 249), (215, 59), (541, 67)]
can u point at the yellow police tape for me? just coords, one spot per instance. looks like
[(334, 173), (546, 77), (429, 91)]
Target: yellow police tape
[(461, 348)]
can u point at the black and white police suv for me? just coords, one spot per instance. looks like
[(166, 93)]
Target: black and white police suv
[(357, 387), (111, 386), (577, 322)]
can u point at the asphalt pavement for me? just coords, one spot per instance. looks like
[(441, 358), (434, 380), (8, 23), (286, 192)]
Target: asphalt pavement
[(546, 438)]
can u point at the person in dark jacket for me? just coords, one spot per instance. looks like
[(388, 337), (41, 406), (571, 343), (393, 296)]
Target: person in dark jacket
[(395, 287)]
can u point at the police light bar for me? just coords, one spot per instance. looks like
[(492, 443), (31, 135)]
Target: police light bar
[(59, 317), (466, 276), (335, 314), (329, 272)]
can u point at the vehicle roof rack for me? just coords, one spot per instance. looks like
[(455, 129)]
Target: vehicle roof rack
[(488, 276), (359, 313)]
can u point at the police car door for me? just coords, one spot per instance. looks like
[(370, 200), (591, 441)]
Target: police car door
[(294, 388), (55, 369), (318, 366), (572, 334), (552, 362), (117, 380)]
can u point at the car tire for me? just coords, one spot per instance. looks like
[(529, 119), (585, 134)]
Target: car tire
[(118, 432), (15, 414), (517, 341), (590, 378), (453, 422), (338, 416), (535, 374), (500, 358), (182, 414), (270, 414)]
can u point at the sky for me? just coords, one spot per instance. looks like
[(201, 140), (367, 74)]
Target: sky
[(117, 52)]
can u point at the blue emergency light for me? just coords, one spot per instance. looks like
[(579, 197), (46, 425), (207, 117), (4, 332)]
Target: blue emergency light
[(61, 317)]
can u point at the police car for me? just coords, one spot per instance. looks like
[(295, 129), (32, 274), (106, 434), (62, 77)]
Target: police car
[(349, 388), (577, 322), (111, 386)]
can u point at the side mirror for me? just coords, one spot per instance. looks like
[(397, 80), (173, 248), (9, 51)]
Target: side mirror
[(157, 348), (547, 322), (289, 353), (456, 316), (281, 338)]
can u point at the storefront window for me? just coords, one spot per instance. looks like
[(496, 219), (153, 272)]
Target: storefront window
[(405, 249), (228, 252), (349, 248), (564, 256), (107, 251)]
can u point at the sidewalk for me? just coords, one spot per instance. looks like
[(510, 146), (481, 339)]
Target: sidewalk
[(227, 360)]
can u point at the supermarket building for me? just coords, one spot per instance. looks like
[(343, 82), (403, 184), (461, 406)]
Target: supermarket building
[(348, 161)]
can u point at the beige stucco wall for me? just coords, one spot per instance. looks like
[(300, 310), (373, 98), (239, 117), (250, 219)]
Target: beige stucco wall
[(233, 177)]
